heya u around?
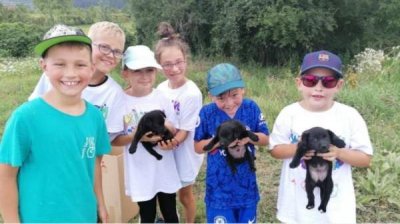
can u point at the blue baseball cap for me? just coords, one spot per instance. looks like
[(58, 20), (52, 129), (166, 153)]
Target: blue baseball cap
[(322, 59), (222, 78)]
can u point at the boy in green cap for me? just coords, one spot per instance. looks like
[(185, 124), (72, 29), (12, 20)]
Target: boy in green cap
[(52, 146)]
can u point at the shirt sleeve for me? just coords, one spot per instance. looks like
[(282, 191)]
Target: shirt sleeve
[(360, 139), (103, 145), (188, 118), (281, 131), (15, 143), (41, 87)]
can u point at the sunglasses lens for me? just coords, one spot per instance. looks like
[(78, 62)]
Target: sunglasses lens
[(312, 80), (309, 80), (329, 82)]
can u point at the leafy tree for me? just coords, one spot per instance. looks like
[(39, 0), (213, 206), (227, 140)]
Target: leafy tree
[(55, 9)]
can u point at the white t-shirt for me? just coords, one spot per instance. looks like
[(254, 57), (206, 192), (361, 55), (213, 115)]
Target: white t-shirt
[(348, 125), (106, 96), (187, 101), (145, 176)]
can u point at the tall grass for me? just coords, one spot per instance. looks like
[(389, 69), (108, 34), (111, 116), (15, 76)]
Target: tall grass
[(375, 95)]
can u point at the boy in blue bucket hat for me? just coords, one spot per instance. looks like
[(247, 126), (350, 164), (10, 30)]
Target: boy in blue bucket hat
[(320, 79), (230, 197)]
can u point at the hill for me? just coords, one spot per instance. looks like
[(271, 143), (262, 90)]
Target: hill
[(77, 3)]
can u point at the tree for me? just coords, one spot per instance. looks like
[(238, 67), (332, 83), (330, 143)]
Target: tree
[(55, 9)]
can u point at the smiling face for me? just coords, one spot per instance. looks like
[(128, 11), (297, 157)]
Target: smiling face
[(173, 62), (140, 81), (318, 98), (106, 62), (229, 101), (69, 68)]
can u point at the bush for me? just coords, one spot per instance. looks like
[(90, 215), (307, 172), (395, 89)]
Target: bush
[(19, 39)]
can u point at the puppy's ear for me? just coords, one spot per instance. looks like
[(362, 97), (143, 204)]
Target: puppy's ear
[(252, 136), (335, 140), (304, 138)]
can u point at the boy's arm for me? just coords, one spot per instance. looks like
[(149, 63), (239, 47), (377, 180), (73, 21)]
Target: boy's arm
[(263, 139), (199, 145), (98, 189), (9, 194), (353, 157), (122, 140), (283, 151)]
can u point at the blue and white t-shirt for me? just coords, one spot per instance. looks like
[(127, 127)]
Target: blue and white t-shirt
[(223, 188)]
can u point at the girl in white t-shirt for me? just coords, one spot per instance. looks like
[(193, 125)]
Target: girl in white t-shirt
[(185, 97), (147, 180), (320, 80)]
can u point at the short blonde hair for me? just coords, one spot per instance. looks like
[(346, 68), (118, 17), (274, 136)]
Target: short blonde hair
[(106, 27)]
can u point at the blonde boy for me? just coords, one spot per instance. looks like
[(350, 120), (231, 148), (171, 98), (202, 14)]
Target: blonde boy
[(53, 145), (108, 41)]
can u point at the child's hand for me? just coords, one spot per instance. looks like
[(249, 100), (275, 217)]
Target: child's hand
[(167, 145), (309, 154), (332, 154), (150, 137)]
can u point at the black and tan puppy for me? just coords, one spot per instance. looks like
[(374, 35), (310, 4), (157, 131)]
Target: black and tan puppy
[(154, 122), (228, 132), (319, 171)]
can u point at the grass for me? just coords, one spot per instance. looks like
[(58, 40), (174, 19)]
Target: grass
[(376, 96)]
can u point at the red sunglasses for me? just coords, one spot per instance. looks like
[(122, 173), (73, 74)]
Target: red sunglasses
[(310, 80)]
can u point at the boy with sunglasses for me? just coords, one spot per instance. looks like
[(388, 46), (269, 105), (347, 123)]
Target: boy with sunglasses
[(320, 80)]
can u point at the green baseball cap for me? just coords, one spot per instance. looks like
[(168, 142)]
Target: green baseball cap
[(61, 33)]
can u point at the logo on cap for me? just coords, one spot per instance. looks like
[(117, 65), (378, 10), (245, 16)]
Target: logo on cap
[(323, 57)]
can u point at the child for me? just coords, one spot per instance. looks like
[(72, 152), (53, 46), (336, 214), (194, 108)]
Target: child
[(230, 197), (146, 178), (52, 144), (320, 80), (172, 53), (108, 41)]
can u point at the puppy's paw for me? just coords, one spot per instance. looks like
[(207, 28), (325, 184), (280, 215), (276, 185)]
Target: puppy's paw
[(132, 149), (293, 164), (310, 206), (322, 209)]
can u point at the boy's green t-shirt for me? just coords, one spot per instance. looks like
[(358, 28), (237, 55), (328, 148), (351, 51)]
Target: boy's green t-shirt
[(55, 153)]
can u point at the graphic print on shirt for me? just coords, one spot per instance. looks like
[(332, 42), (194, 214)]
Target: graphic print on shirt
[(131, 120), (89, 148), (177, 107), (104, 110)]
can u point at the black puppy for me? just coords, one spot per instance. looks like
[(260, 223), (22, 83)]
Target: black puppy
[(153, 122), (228, 132), (319, 171)]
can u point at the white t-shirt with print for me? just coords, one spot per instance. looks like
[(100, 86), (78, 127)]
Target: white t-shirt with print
[(348, 125), (187, 101), (106, 96), (145, 176)]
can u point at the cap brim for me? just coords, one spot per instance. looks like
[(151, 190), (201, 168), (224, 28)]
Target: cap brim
[(322, 66), (227, 86), (139, 65), (46, 44)]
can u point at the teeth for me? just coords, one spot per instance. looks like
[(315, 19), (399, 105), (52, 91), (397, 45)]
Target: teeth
[(70, 83)]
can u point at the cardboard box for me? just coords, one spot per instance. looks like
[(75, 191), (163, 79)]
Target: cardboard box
[(119, 206)]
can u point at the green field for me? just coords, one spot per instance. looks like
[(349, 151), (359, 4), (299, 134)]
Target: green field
[(375, 94)]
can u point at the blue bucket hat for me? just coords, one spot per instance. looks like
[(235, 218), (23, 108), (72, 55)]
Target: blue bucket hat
[(322, 59), (222, 78)]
